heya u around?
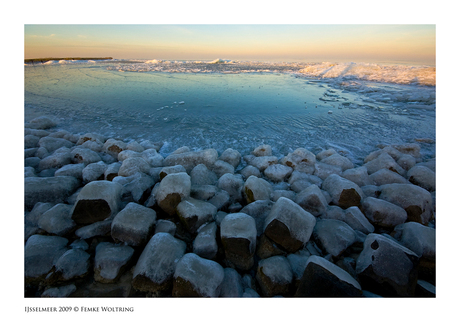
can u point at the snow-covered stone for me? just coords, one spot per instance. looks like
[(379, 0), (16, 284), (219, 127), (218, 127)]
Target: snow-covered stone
[(258, 210), (312, 200), (278, 172), (205, 244), (231, 156), (233, 184), (383, 213), (423, 177), (94, 171), (257, 189), (172, 189), (334, 236), (48, 189), (110, 261), (84, 155), (344, 193), (385, 176), (221, 167), (72, 170), (232, 284), (57, 220), (193, 213), (301, 160), (191, 159), (274, 276), (357, 175)]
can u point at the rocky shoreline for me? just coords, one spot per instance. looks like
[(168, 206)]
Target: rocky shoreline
[(111, 218)]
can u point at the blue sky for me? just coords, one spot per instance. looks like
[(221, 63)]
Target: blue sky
[(298, 42)]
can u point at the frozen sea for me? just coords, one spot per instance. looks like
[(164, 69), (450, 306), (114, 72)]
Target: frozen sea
[(351, 107)]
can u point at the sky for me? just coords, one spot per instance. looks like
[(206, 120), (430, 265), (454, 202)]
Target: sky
[(384, 43)]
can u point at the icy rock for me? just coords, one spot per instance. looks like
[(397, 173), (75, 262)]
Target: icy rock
[(325, 153), (182, 149), (197, 277), (95, 146), (298, 263), (110, 261), (155, 268), (139, 185), (134, 146), (172, 169), (233, 184), (31, 218), (249, 292), (94, 137), (344, 193), (172, 189), (232, 284), (383, 213), (422, 241), (132, 165), (84, 155), (41, 123), (221, 200), (30, 141), (301, 160), (312, 200), (262, 162), (238, 235), (58, 159), (220, 216), (40, 255), (126, 154), (205, 244), (385, 176), (42, 153), (371, 191), (258, 210), (112, 171), (52, 144), (289, 225), (386, 267), (165, 226), (416, 201), (32, 162), (49, 189), (221, 167), (277, 172), (201, 175), (334, 236), (274, 275), (147, 145), (28, 153), (36, 132), (94, 172), (262, 150), (356, 220), (324, 170), (322, 278), (267, 248), (384, 161), (203, 192), (97, 201), (133, 225), (282, 193), (430, 164), (250, 170), (423, 177), (357, 175), (99, 228), (113, 147), (79, 243), (29, 172), (153, 158), (73, 264), (59, 292), (340, 161), (406, 161), (57, 220), (412, 149), (189, 160), (193, 213), (231, 156), (72, 170), (257, 189)]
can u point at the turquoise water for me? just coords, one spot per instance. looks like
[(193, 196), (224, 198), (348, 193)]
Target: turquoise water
[(231, 110)]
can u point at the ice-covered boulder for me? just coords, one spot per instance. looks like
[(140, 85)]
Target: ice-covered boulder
[(258, 210), (41, 123), (72, 170), (333, 236), (203, 192), (58, 159), (406, 161), (312, 200), (99, 228), (193, 213), (94, 171), (289, 225), (387, 268), (139, 185), (324, 170), (73, 264), (356, 220), (257, 189), (274, 276), (165, 226), (156, 266), (322, 278), (197, 277), (205, 243), (232, 284), (40, 254), (383, 213), (357, 175), (282, 193), (262, 162), (132, 165), (133, 224), (48, 189), (171, 169), (278, 172), (110, 261), (231, 156), (412, 149), (112, 171), (52, 144), (201, 175), (221, 167), (416, 201), (423, 177), (338, 160), (84, 155), (191, 159), (250, 170), (233, 184), (301, 160), (262, 150), (113, 147), (57, 220), (325, 153), (153, 158), (344, 193), (60, 291), (238, 234), (384, 161), (97, 201), (172, 189), (385, 176)]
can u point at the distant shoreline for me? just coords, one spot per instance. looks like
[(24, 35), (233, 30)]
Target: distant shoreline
[(44, 60)]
